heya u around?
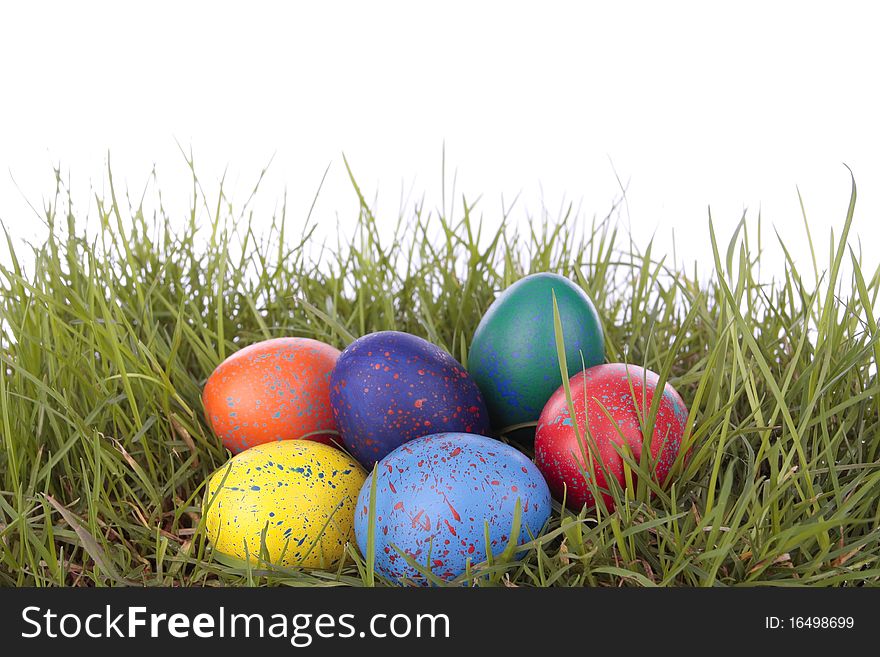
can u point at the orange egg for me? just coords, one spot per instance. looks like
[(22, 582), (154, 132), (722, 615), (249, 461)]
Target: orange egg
[(277, 389)]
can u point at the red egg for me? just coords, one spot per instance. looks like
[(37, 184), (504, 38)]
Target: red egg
[(616, 396), (273, 390)]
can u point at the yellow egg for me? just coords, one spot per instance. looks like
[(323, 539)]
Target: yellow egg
[(296, 497)]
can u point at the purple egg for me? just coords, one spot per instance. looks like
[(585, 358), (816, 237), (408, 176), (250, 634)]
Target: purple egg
[(389, 387), (436, 494)]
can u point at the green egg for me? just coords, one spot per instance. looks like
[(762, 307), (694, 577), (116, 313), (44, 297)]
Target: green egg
[(513, 355)]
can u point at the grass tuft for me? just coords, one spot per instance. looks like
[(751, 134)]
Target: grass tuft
[(107, 337)]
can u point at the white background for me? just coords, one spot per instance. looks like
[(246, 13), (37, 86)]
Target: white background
[(728, 105)]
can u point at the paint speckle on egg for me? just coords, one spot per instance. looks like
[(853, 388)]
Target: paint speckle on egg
[(300, 493), (617, 396), (277, 389), (435, 496), (513, 355), (390, 387)]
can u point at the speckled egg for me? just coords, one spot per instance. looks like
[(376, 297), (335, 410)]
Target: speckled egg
[(513, 355), (301, 493), (434, 496), (616, 395), (277, 389), (390, 387)]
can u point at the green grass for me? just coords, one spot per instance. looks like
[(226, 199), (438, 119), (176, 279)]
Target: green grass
[(108, 337)]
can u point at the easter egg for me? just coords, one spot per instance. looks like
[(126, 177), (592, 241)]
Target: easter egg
[(390, 387), (296, 496), (609, 400), (277, 389), (513, 356), (435, 496)]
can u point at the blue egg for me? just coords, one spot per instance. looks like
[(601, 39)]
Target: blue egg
[(436, 494), (390, 387)]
